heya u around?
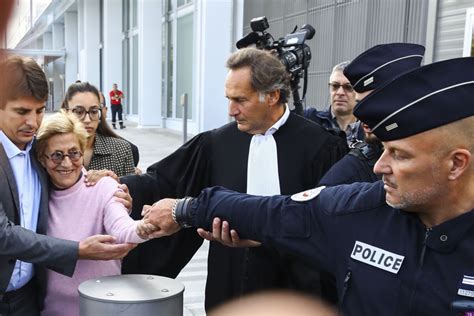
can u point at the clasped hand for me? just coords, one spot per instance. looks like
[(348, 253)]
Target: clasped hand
[(157, 220)]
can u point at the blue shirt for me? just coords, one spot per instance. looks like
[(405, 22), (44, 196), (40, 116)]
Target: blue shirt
[(29, 193)]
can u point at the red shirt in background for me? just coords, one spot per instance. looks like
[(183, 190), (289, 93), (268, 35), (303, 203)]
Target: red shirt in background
[(116, 97)]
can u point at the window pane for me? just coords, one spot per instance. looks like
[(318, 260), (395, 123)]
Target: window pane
[(169, 90), (164, 71), (134, 10), (184, 63), (125, 15), (125, 73), (134, 101)]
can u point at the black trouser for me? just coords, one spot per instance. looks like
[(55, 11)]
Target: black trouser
[(21, 302), (116, 109)]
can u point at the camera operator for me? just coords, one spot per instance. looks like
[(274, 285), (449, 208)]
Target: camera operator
[(266, 151), (339, 118)]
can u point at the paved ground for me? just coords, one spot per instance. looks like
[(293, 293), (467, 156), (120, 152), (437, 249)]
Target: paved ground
[(155, 144)]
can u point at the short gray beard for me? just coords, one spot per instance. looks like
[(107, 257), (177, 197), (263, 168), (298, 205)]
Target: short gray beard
[(421, 197)]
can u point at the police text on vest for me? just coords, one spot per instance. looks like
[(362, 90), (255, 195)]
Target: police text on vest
[(377, 257)]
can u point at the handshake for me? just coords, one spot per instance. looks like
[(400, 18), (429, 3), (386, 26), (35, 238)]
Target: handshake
[(158, 221)]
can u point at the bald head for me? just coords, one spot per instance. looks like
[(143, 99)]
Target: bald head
[(274, 304)]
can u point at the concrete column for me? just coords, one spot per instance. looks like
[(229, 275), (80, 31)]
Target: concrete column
[(49, 69), (58, 64), (71, 45), (89, 58), (210, 68), (47, 40), (149, 63), (112, 61)]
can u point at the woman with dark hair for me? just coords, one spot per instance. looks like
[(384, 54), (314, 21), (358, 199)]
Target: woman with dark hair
[(104, 149)]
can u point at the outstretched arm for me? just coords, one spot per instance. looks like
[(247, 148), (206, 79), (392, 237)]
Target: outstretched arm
[(59, 255)]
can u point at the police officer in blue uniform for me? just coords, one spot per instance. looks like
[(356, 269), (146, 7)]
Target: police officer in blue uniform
[(367, 72), (401, 246)]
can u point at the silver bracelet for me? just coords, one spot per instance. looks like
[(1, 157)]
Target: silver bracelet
[(173, 210)]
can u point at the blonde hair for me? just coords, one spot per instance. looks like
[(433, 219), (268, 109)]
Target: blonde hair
[(59, 124)]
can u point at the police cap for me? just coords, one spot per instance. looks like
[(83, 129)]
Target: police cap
[(420, 100), (382, 63)]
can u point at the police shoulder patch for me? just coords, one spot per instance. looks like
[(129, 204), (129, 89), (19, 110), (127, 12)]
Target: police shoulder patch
[(307, 195)]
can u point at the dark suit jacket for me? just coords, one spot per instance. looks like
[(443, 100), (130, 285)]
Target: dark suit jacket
[(17, 242)]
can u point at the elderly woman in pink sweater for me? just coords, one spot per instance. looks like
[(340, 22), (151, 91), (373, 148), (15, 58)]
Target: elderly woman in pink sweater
[(77, 211)]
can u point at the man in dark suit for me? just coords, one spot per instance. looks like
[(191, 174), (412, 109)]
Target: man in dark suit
[(24, 197)]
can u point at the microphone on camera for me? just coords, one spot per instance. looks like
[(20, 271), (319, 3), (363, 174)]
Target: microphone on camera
[(249, 39)]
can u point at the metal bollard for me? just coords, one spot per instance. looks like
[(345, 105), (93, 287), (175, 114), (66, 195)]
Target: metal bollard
[(131, 295)]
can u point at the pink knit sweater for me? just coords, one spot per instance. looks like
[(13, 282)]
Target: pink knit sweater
[(77, 213)]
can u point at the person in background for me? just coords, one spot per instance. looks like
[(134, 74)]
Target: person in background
[(135, 152), (367, 72), (339, 118), (116, 97), (25, 251), (77, 211), (105, 149)]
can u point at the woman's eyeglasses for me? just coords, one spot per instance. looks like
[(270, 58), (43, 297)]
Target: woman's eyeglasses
[(58, 156), (94, 112)]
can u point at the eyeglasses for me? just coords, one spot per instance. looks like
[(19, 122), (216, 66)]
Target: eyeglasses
[(94, 113), (347, 87), (58, 156)]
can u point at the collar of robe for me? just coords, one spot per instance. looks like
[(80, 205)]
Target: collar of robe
[(262, 167)]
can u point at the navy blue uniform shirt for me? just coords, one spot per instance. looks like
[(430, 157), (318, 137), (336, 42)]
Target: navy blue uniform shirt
[(356, 166), (385, 261)]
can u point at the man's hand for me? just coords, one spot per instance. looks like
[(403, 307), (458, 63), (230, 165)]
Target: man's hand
[(124, 197), (159, 215), (93, 176), (222, 233), (103, 247)]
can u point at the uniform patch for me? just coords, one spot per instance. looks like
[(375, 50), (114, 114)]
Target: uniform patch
[(377, 257), (307, 195), (466, 287), (391, 126), (368, 81)]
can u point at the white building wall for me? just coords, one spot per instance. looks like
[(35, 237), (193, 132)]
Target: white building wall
[(89, 58), (149, 63), (214, 42), (450, 28)]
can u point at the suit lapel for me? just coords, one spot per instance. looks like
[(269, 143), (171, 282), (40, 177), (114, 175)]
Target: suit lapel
[(5, 165), (43, 177)]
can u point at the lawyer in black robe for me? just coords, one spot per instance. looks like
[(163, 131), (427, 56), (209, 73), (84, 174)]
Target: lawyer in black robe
[(219, 157)]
